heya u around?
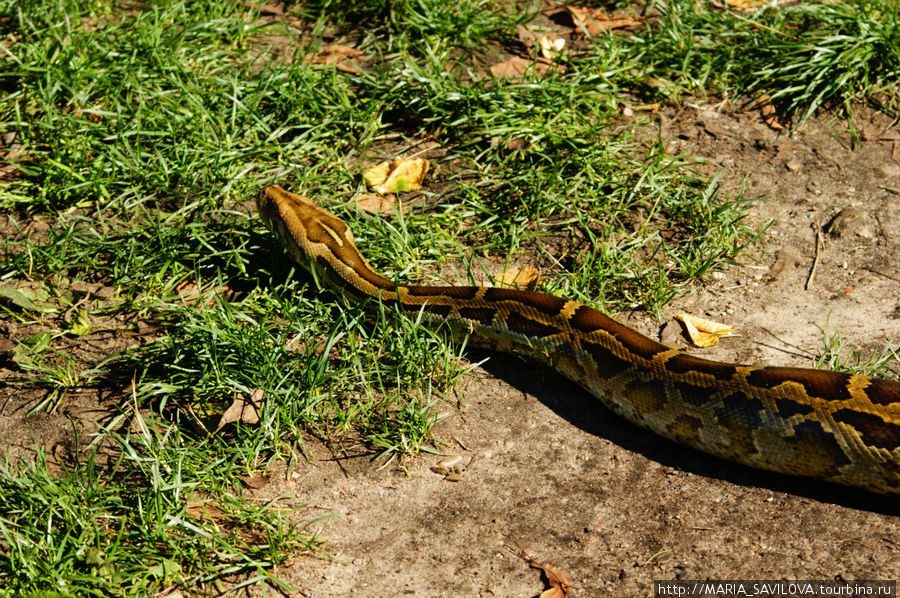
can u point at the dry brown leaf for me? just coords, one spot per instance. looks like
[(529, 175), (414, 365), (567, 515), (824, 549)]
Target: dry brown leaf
[(269, 8), (520, 278), (397, 176), (517, 68), (145, 327), (519, 143), (188, 290), (85, 287), (204, 511), (91, 116), (8, 169), (769, 114), (191, 293), (786, 261), (550, 45), (526, 36), (138, 420), (312, 346), (559, 584), (671, 333), (593, 21), (382, 205), (339, 56), (255, 482), (702, 332), (245, 410)]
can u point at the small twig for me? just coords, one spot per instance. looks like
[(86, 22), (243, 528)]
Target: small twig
[(839, 165), (891, 189), (658, 553), (885, 274), (885, 130), (460, 443), (815, 264)]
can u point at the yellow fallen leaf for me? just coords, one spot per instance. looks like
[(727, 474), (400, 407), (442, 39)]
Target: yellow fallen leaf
[(397, 176), (745, 4), (519, 278), (702, 332), (550, 47)]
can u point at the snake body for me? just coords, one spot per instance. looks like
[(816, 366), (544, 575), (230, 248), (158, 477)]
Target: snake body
[(844, 428)]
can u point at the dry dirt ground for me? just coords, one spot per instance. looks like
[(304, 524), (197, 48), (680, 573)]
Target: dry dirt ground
[(614, 507)]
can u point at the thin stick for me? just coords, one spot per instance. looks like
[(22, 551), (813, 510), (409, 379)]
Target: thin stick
[(885, 274), (815, 264)]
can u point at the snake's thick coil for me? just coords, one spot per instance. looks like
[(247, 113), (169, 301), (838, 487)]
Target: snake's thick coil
[(839, 427)]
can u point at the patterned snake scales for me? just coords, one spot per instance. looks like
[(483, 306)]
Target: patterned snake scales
[(832, 426)]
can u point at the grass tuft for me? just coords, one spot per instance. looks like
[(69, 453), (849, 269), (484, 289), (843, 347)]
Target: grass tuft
[(846, 355)]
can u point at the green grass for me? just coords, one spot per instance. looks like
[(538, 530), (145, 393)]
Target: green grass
[(804, 56), (846, 355), (52, 369), (126, 529), (143, 134)]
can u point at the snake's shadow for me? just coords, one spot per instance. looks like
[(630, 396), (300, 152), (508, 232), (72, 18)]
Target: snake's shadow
[(580, 409)]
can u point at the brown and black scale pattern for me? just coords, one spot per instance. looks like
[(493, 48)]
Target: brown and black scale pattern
[(828, 425)]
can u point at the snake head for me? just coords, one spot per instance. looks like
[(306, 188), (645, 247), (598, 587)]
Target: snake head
[(308, 231), (316, 239)]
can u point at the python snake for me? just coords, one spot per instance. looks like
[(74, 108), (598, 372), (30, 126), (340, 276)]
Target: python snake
[(844, 428)]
